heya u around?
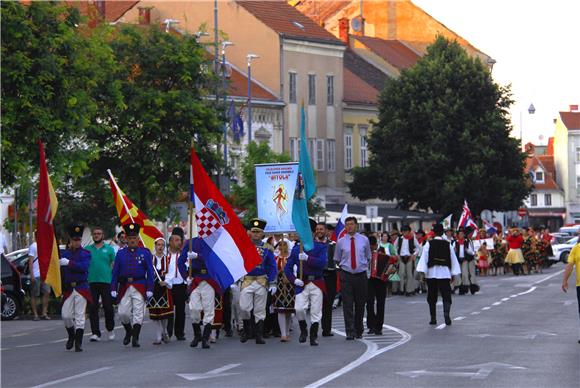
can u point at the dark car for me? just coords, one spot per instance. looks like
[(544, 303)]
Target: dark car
[(13, 294), (19, 259)]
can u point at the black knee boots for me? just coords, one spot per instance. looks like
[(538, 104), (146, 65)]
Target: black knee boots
[(246, 331), (303, 331), (71, 337), (433, 313), (128, 331), (314, 334), (79, 340), (135, 335), (446, 312), (205, 337), (259, 332), (196, 335)]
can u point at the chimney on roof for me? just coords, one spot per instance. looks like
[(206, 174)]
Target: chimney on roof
[(101, 7), (343, 30), (574, 108), (145, 16)]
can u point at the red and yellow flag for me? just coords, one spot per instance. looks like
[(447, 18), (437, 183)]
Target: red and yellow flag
[(129, 213), (48, 257)]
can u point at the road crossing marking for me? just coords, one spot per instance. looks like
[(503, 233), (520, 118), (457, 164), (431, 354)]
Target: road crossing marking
[(88, 373)]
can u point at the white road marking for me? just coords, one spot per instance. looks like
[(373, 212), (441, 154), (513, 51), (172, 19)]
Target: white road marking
[(218, 372), (528, 291), (442, 326), (459, 318), (26, 346), (505, 299), (88, 373), (486, 308), (483, 371), (550, 276), (475, 313), (513, 296), (18, 335), (496, 304), (371, 352)]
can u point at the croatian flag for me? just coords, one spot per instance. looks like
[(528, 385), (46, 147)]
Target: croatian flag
[(228, 251), (489, 228), (339, 231), (465, 215)]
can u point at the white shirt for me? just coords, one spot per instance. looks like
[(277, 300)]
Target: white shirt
[(32, 251), (173, 275), (3, 246), (470, 249), (438, 271), (405, 247)]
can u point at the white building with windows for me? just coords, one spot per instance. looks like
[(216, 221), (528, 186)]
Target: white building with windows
[(546, 202), (567, 161)]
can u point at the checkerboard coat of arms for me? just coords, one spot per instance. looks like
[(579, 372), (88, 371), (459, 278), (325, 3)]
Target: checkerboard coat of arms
[(210, 218)]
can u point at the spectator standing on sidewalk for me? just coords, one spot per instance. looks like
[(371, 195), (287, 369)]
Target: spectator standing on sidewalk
[(37, 287)]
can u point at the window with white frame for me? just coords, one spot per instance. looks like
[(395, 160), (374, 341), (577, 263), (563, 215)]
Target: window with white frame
[(540, 176), (312, 152), (348, 147), (548, 199), (577, 154), (363, 146), (331, 154), (329, 90), (292, 87), (294, 149), (311, 89), (319, 165), (534, 200)]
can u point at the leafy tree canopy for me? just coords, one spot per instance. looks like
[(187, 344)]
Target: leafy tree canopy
[(443, 136)]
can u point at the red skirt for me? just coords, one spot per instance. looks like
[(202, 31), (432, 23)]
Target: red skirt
[(160, 306)]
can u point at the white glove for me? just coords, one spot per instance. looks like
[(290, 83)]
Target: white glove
[(302, 256), (149, 294), (272, 289), (299, 283), (114, 294), (189, 281), (63, 261), (191, 255)]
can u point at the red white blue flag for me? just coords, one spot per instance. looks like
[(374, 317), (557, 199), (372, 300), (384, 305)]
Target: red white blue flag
[(339, 231), (229, 252), (466, 219)]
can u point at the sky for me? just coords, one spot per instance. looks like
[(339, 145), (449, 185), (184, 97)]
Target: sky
[(537, 48)]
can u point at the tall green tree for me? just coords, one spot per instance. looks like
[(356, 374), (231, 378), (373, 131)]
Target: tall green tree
[(244, 194), (443, 136), (55, 78), (164, 80)]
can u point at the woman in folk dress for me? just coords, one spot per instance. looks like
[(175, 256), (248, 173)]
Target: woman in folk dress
[(284, 297), (161, 304)]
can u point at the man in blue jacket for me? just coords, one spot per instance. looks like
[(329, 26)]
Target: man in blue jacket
[(308, 280), (74, 264), (132, 281)]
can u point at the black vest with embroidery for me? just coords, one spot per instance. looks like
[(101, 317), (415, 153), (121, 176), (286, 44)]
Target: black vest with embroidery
[(411, 245), (439, 253)]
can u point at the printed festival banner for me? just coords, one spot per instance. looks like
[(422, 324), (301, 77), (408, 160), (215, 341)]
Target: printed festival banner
[(275, 185)]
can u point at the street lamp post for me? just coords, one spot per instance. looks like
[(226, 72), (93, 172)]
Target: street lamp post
[(250, 57), (224, 45), (531, 110)]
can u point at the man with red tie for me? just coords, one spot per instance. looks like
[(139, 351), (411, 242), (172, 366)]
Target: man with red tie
[(353, 254)]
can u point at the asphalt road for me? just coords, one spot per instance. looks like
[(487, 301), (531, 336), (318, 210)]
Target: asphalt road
[(517, 332)]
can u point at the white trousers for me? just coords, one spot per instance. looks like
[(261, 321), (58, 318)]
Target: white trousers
[(236, 311), (132, 307), (73, 311), (254, 297), (467, 272), (310, 297), (160, 328), (285, 321), (202, 299)]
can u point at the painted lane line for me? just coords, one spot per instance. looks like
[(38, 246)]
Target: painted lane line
[(550, 276), (371, 352), (18, 335), (442, 326), (505, 299), (528, 291), (513, 296), (475, 313), (459, 318), (496, 304), (88, 373), (26, 346), (486, 308)]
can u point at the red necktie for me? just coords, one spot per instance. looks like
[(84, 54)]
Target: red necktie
[(352, 254)]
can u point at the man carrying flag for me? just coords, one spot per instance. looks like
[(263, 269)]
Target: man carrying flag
[(223, 243), (75, 270)]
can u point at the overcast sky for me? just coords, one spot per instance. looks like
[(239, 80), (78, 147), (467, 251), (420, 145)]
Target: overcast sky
[(537, 48)]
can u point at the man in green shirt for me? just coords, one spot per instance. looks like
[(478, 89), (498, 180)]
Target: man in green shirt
[(102, 259)]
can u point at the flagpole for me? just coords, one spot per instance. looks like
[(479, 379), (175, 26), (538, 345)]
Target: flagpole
[(191, 209), (124, 204)]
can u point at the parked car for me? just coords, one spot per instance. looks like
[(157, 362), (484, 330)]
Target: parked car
[(559, 238), (571, 230), (19, 259), (12, 292), (561, 251)]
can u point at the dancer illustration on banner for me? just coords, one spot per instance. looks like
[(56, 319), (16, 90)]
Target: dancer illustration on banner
[(280, 198)]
